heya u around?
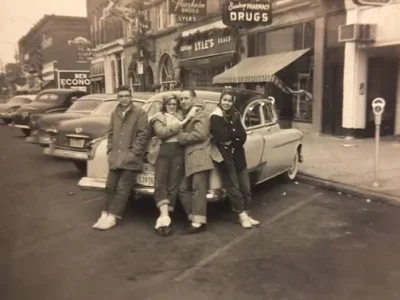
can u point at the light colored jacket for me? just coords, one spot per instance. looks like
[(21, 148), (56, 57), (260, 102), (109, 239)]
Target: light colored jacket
[(162, 131)]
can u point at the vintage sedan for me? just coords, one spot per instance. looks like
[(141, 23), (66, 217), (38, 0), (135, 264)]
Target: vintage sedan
[(46, 102), (43, 127), (73, 137), (11, 106), (270, 150)]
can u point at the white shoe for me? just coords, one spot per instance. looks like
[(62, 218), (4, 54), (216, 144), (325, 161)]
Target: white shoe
[(103, 216), (244, 220), (254, 222), (163, 221), (107, 223)]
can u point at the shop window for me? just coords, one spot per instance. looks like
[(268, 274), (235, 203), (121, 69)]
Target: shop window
[(256, 44), (304, 35), (280, 40)]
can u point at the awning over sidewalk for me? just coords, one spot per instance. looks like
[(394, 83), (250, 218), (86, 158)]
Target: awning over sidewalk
[(258, 68)]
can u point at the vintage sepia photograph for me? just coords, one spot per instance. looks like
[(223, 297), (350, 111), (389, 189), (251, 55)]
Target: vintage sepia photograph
[(199, 149)]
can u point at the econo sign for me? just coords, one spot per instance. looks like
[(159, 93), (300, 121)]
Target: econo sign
[(78, 80), (247, 13)]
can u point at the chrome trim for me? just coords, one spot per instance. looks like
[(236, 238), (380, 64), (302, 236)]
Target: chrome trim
[(51, 130), (68, 154), (78, 136), (20, 126)]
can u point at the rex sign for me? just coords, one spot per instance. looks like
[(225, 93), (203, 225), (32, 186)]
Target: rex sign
[(77, 80), (246, 13)]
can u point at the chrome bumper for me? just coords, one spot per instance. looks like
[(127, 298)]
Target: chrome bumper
[(19, 126), (67, 154)]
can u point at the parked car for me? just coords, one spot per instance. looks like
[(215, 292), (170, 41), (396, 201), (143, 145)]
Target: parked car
[(73, 137), (8, 108), (270, 150), (43, 127), (46, 102)]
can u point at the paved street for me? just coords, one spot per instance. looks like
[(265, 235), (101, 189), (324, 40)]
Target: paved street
[(313, 244)]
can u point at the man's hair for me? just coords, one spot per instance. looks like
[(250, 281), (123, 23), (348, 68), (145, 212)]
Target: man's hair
[(123, 88), (191, 91)]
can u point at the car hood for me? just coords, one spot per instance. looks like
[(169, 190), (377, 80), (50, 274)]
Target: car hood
[(93, 126), (46, 121), (38, 107)]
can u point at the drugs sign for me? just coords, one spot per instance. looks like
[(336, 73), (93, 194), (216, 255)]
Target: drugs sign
[(247, 13)]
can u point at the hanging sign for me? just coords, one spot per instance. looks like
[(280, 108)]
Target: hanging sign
[(247, 13), (187, 11)]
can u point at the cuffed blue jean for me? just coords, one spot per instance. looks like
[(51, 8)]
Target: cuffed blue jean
[(237, 185)]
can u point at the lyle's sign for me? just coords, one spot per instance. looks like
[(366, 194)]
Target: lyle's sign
[(247, 12)]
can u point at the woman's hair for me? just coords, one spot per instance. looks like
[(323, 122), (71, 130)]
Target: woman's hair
[(167, 99), (230, 94)]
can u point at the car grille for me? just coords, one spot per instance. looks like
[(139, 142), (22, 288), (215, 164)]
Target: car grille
[(20, 120)]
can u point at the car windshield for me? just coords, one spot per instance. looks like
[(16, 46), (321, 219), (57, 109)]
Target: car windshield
[(47, 98), (84, 105), (19, 100), (106, 108)]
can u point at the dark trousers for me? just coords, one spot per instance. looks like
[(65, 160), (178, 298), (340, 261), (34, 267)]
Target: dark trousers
[(119, 186), (193, 196), (169, 172), (237, 185)]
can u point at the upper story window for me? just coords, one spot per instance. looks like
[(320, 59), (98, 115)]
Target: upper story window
[(164, 20)]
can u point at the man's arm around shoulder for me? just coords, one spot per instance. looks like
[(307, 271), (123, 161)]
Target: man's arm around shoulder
[(200, 132)]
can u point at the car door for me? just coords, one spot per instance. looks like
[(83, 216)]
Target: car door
[(254, 126), (279, 143)]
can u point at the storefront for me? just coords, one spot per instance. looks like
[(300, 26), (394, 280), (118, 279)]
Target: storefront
[(372, 69), (282, 68), (77, 79), (204, 54)]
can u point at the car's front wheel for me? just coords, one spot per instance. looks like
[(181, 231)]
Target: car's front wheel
[(27, 132), (291, 174), (81, 165)]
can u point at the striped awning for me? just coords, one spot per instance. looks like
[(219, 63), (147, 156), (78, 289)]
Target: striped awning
[(258, 68)]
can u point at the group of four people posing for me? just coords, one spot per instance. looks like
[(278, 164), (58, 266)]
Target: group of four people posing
[(186, 144)]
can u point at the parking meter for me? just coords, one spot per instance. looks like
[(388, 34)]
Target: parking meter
[(378, 106)]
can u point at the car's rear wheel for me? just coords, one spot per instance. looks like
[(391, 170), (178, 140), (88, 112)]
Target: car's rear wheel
[(27, 132), (291, 174), (81, 165)]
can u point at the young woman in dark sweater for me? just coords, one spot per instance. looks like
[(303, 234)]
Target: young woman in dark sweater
[(229, 136)]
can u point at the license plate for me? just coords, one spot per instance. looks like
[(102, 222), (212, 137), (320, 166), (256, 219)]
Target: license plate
[(145, 179), (76, 143)]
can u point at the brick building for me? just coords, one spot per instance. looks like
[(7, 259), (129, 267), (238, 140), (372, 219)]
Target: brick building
[(50, 55)]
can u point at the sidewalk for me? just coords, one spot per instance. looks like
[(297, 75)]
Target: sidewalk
[(348, 166)]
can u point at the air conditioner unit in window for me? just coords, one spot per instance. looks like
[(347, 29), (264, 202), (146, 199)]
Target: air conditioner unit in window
[(357, 33)]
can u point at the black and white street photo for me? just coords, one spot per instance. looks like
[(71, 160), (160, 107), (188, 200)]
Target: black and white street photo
[(200, 149)]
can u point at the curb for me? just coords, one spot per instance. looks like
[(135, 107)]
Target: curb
[(347, 189)]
